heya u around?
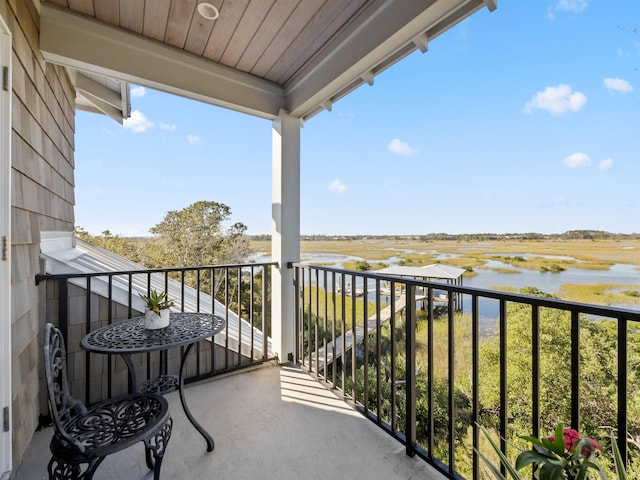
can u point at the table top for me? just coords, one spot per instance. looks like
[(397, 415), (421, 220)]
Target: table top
[(130, 336)]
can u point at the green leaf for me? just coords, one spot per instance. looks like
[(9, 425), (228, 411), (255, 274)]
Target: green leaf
[(528, 457), (544, 444), (553, 447), (551, 471), (544, 451), (503, 459), (497, 474), (601, 473), (621, 469), (559, 437), (534, 440)]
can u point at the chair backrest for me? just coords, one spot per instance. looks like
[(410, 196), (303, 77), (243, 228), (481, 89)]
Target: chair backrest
[(62, 406)]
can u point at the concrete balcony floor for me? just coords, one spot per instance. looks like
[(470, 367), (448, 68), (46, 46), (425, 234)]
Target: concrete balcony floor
[(273, 422)]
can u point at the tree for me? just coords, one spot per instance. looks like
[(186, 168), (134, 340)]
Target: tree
[(196, 236), (117, 244), (598, 375)]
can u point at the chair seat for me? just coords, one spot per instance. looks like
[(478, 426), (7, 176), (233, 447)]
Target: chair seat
[(113, 425)]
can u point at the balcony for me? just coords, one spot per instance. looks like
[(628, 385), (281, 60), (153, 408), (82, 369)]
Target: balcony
[(388, 379), (270, 422)]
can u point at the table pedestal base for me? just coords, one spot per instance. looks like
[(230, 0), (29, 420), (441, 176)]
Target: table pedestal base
[(208, 438)]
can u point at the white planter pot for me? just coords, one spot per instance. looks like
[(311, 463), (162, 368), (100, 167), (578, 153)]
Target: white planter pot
[(153, 321)]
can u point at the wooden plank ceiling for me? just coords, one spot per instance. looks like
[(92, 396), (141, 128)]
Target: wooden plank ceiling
[(271, 39), (312, 51)]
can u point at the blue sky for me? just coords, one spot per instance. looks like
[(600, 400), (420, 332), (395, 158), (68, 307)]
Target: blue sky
[(526, 119)]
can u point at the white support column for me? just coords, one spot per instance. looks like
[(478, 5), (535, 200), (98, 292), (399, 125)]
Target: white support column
[(285, 230)]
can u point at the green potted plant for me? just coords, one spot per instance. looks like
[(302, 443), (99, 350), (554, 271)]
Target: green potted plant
[(566, 455), (156, 313)]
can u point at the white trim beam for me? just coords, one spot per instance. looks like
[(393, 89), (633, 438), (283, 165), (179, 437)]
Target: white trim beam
[(94, 89), (422, 42), (102, 99), (97, 105), (85, 45)]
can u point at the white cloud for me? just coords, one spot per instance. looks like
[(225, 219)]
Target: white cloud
[(137, 91), (338, 186), (617, 84), (577, 159), (167, 126), (606, 164), (557, 100), (622, 53), (193, 139), (137, 122), (571, 6), (401, 148)]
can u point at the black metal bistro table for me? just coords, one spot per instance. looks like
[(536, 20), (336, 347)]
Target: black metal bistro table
[(130, 336)]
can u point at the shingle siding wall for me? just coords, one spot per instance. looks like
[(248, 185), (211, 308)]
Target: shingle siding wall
[(42, 198)]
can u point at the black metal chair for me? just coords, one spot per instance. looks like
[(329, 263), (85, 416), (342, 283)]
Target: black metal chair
[(86, 435)]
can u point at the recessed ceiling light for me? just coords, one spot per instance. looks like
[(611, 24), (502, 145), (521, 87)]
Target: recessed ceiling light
[(208, 11)]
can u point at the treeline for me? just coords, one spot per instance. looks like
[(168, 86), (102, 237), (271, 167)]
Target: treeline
[(471, 237)]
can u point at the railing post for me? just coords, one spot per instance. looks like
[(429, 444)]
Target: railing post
[(475, 383), (63, 308), (451, 380), (575, 370), (430, 374), (622, 388), (503, 380), (535, 370), (354, 357), (410, 369), (266, 309), (296, 314)]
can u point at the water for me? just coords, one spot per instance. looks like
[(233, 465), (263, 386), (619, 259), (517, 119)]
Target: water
[(550, 282), (489, 279)]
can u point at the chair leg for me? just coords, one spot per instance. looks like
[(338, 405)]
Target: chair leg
[(61, 470), (155, 447)]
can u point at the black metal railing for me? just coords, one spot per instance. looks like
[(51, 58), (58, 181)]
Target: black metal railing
[(79, 303), (431, 362)]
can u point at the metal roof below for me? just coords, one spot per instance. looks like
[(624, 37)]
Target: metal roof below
[(437, 270)]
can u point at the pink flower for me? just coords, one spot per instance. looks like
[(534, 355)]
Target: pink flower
[(571, 437)]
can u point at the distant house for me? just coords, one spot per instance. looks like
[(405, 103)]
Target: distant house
[(436, 272)]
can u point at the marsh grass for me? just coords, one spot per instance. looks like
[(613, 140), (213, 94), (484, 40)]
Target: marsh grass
[(321, 301), (596, 255), (599, 253), (601, 293), (500, 269), (464, 261), (462, 346)]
